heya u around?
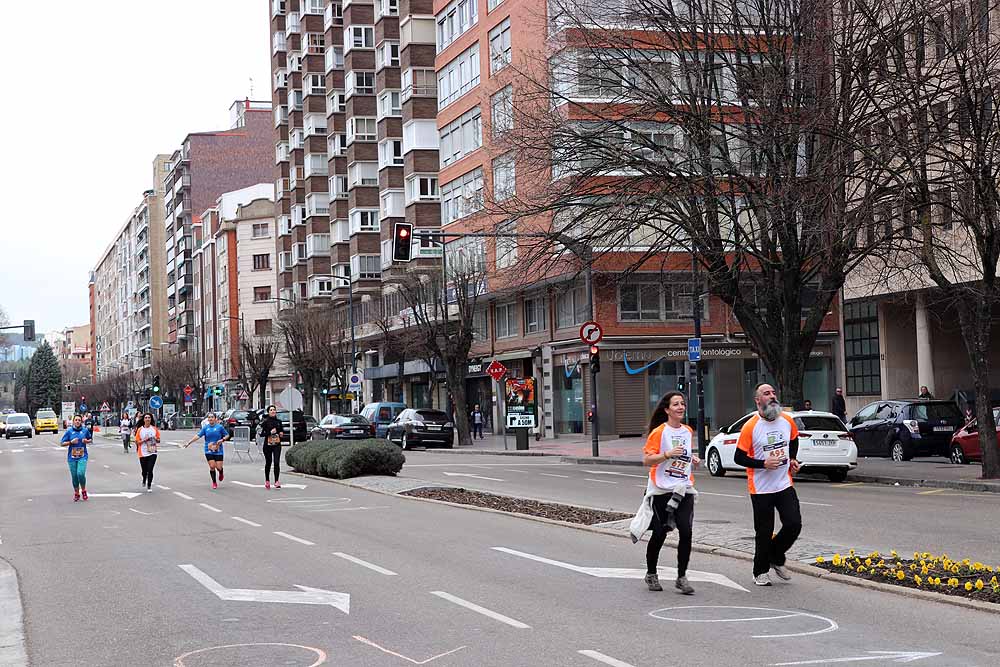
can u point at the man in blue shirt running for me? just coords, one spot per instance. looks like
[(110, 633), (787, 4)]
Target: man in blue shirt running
[(75, 439), (215, 434)]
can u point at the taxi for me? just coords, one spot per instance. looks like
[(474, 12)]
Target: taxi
[(46, 420)]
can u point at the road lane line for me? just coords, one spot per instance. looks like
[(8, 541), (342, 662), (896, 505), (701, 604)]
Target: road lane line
[(107, 467), (721, 495), (209, 507), (602, 481), (122, 473), (548, 474), (606, 659), (513, 470), (246, 521), (481, 610), (294, 539), (132, 509), (931, 492), (183, 495), (165, 488), (802, 502), (364, 563), (400, 655), (848, 484)]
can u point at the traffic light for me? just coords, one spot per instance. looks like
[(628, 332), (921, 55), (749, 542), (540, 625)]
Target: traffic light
[(595, 359), (681, 383), (590, 416), (29, 330), (156, 384), (402, 242), (217, 390)]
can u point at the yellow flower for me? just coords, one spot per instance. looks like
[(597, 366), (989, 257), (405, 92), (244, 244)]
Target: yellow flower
[(979, 584), (913, 567), (901, 575), (978, 567), (837, 560), (954, 569), (994, 580), (965, 562), (926, 554), (917, 580), (861, 568), (820, 559), (968, 585), (868, 562), (937, 581), (851, 553), (924, 570), (894, 554)]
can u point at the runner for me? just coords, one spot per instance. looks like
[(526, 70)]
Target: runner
[(215, 434), (670, 492), (767, 447), (272, 428), (76, 438), (125, 429), (147, 439)]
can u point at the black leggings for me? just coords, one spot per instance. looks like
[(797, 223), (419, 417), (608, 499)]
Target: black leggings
[(272, 452), (770, 550), (147, 463), (684, 519)]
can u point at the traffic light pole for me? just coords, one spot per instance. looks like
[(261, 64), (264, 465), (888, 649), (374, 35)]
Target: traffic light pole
[(699, 385)]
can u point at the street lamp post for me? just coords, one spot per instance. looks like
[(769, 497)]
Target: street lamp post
[(350, 318)]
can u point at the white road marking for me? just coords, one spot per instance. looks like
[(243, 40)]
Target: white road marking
[(548, 474), (364, 563), (619, 474), (107, 467), (465, 474), (183, 495), (247, 522), (165, 488), (305, 594), (261, 486), (895, 656), (512, 470), (209, 507), (121, 494), (16, 451), (721, 495), (400, 655), (606, 659), (132, 509), (349, 509), (602, 481), (831, 625), (481, 610), (294, 539), (802, 502), (123, 473)]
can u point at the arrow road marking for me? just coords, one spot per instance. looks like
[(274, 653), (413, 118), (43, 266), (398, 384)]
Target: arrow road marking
[(261, 486), (624, 572), (400, 655), (481, 610), (465, 474), (121, 494), (895, 656), (305, 594), (606, 659)]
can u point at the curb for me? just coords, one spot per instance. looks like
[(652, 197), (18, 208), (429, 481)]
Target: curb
[(13, 651), (958, 485), (801, 568)]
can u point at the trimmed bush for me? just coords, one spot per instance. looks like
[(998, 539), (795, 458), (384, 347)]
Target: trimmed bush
[(340, 460)]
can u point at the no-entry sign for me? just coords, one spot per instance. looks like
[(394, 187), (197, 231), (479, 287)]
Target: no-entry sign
[(591, 333)]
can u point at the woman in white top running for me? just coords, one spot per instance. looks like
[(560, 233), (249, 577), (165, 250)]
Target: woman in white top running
[(147, 439), (125, 429)]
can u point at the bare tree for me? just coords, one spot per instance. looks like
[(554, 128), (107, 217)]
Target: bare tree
[(178, 371), (312, 339), (399, 343), (257, 357)]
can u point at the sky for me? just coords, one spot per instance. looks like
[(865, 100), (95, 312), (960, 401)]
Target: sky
[(88, 101)]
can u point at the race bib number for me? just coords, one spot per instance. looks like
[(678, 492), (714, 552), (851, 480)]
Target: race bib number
[(213, 447), (678, 467), (776, 447), (76, 452), (150, 446)]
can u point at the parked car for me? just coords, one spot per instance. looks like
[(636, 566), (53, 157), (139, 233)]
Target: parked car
[(825, 446), (421, 427), (311, 423), (337, 427), (17, 424), (301, 430), (233, 418), (965, 443), (46, 420), (382, 414), (904, 428), (3, 422)]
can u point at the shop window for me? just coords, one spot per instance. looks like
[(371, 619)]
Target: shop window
[(861, 349)]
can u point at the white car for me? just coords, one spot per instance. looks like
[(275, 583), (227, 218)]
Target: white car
[(825, 446)]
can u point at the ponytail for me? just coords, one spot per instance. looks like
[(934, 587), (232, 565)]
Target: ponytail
[(659, 415)]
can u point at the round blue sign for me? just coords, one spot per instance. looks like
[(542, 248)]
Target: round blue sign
[(155, 402), (83, 407)]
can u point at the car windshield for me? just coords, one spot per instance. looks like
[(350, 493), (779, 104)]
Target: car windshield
[(18, 419), (431, 416), (45, 414), (935, 411), (819, 423)]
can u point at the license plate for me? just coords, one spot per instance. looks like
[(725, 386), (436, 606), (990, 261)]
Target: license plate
[(943, 429), (824, 442), (433, 428), (355, 432)]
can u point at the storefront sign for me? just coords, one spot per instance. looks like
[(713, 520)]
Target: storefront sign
[(476, 367), (520, 402)]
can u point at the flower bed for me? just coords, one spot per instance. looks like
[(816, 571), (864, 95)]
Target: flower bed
[(941, 574)]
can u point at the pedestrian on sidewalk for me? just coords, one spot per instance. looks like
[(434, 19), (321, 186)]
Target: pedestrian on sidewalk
[(838, 405), (272, 428), (670, 492), (767, 447), (147, 439), (76, 438), (125, 429), (215, 434), (925, 393), (478, 419)]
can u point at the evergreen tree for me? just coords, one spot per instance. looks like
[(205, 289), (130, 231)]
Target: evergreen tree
[(45, 381)]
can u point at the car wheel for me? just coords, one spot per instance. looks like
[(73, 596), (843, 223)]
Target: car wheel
[(838, 475), (715, 464), (900, 452), (404, 443), (958, 455)]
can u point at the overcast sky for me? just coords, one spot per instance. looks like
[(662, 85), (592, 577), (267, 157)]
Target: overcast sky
[(91, 95)]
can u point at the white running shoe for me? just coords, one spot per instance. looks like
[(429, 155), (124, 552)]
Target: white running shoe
[(149, 489), (762, 580), (782, 572)]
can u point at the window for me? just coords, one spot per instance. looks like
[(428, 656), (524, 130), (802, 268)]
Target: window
[(366, 267), (506, 246), (261, 230), (391, 204), (461, 136), (502, 111), (503, 177), (338, 187), (536, 314), (571, 308), (861, 348), (360, 128), (454, 20), (315, 84), (386, 8), (336, 102), (459, 76), (595, 78), (262, 327), (493, 4), (315, 43), (390, 153), (359, 37), (421, 188), (419, 82), (314, 6), (334, 58), (340, 231), (320, 286), (261, 262), (389, 104), (362, 173), (480, 324), (462, 196), (639, 302), (505, 320), (364, 220), (359, 83), (261, 294), (336, 144), (500, 46), (387, 55), (942, 208)]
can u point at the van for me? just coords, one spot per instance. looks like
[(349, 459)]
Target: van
[(46, 420), (382, 414)]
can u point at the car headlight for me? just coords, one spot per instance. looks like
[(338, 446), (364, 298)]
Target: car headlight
[(449, 425)]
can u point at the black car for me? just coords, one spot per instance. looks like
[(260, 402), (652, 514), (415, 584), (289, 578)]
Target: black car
[(301, 429), (17, 424), (343, 427), (904, 428), (421, 427), (233, 418)]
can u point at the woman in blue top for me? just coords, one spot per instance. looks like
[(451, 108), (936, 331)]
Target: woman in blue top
[(215, 434), (76, 438)]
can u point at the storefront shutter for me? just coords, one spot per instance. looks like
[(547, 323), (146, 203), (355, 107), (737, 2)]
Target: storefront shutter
[(630, 402)]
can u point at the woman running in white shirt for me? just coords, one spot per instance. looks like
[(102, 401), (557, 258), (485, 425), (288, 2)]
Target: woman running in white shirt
[(147, 439)]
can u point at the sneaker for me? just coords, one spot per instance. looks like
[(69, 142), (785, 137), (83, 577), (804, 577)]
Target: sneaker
[(782, 572), (83, 494), (222, 475), (683, 586), (149, 489), (214, 485), (653, 581), (277, 485), (267, 484), (76, 496), (762, 580)]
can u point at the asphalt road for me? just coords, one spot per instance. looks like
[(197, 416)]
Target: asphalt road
[(195, 577)]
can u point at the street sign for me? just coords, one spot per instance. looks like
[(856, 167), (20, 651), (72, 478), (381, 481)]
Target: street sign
[(591, 333), (105, 407), (188, 390), (290, 399), (155, 402), (694, 349), (519, 399), (354, 383), (83, 407), (243, 396), (68, 410), (496, 370), (188, 400)]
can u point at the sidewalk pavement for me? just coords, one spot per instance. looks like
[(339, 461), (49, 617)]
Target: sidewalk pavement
[(934, 472)]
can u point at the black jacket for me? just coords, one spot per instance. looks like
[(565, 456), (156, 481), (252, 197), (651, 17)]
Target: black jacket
[(268, 423)]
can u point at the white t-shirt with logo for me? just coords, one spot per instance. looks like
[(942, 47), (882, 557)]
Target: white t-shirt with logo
[(146, 440), (675, 471), (763, 440)]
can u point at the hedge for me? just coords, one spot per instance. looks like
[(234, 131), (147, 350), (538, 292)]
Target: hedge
[(340, 460)]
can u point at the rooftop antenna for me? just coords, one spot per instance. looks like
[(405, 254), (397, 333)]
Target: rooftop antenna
[(251, 88)]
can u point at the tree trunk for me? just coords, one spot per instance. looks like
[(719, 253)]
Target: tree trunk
[(264, 377), (975, 317), (456, 386)]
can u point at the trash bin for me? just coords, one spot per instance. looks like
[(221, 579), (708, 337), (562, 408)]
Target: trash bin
[(520, 438)]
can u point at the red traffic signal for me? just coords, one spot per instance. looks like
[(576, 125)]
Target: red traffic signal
[(590, 415), (595, 359), (402, 242)]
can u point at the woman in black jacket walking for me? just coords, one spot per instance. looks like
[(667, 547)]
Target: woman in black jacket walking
[(272, 429)]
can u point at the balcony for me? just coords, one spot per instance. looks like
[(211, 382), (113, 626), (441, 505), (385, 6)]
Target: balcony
[(280, 79), (284, 225), (299, 252), (295, 177), (277, 7), (280, 115), (281, 186), (285, 260), (317, 164), (317, 203), (315, 125), (293, 25), (281, 152), (317, 245), (333, 16), (278, 43)]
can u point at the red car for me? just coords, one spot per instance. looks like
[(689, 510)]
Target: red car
[(965, 443)]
